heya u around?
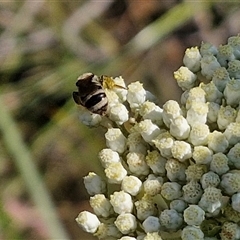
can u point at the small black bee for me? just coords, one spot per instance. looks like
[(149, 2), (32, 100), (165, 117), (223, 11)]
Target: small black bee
[(91, 94)]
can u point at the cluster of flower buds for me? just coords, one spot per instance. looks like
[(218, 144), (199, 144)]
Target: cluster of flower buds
[(171, 172)]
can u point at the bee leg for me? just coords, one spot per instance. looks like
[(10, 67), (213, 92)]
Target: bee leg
[(76, 98)]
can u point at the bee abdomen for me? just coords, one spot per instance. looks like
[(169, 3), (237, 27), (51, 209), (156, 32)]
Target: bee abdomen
[(97, 103)]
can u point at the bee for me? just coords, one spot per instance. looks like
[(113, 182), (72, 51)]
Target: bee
[(91, 93)]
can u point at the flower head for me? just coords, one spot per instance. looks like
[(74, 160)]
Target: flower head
[(171, 169)]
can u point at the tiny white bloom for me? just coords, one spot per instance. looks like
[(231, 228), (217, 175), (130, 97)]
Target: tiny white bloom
[(152, 185), (192, 59), (209, 64), (94, 184), (136, 95), (126, 223), (137, 164), (185, 78), (171, 110), (88, 221), (132, 185), (181, 150), (90, 119), (118, 113), (164, 142), (115, 172), (217, 141), (121, 202), (115, 140), (197, 113), (148, 130), (179, 128), (202, 154), (107, 156), (151, 224), (231, 92), (101, 205), (194, 215), (199, 134), (226, 115)]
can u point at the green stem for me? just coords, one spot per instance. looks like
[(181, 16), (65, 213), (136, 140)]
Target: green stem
[(24, 162)]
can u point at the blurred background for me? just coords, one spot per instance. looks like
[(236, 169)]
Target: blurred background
[(44, 46)]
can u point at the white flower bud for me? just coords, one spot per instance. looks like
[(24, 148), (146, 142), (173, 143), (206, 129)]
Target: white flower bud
[(185, 78), (171, 219), (148, 130), (94, 184), (234, 156), (217, 141), (202, 155), (121, 202), (88, 221), (213, 109), (107, 231), (118, 113), (207, 48), (192, 233), (120, 91), (107, 156), (145, 208), (152, 185), (210, 179), (164, 143), (171, 190), (226, 115), (179, 205), (197, 113), (151, 224), (137, 163), (219, 163), (181, 150), (232, 133), (101, 205), (150, 110), (221, 78), (230, 229), (192, 192), (234, 41), (175, 170), (196, 94), (126, 223), (194, 215), (209, 64), (236, 202), (231, 182), (131, 185), (234, 69), (179, 128), (212, 93), (136, 95), (195, 171), (90, 119), (231, 92), (199, 134), (136, 143), (171, 110), (115, 140), (115, 172), (192, 59), (225, 55), (211, 199), (156, 162)]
